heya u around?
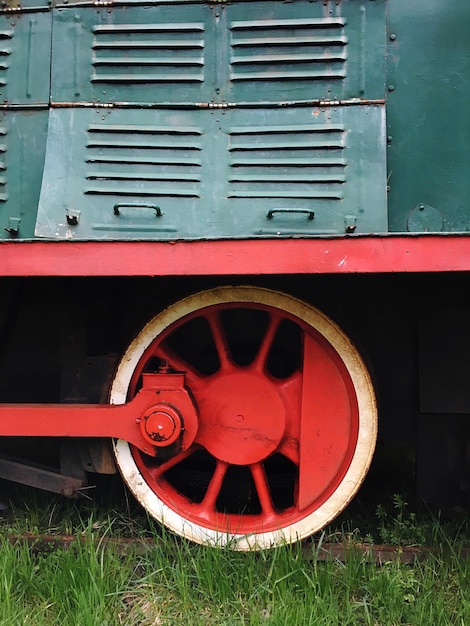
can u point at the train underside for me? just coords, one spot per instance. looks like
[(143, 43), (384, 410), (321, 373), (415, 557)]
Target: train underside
[(234, 262), (240, 413)]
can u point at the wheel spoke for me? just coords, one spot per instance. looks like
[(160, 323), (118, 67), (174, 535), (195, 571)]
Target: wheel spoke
[(215, 485), (158, 471), (259, 362), (262, 488), (193, 377), (220, 340)]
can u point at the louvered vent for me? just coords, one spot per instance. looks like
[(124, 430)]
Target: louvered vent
[(148, 53), (144, 161), (6, 37), (297, 49), (287, 162), (3, 165)]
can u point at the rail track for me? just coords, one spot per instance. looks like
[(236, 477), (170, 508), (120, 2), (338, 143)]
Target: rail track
[(377, 554)]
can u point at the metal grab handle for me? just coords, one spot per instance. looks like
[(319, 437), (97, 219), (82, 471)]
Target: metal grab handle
[(120, 205), (270, 213)]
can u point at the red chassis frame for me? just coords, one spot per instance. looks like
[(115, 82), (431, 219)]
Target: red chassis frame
[(342, 255)]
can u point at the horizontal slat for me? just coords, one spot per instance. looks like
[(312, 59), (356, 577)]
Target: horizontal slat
[(149, 28), (289, 178), (238, 160), (298, 128), (290, 23), (287, 193), (127, 191), (142, 61), (290, 75), (138, 129), (304, 40), (141, 145), (144, 176), (137, 160), (146, 78), (299, 145), (289, 58), (149, 45)]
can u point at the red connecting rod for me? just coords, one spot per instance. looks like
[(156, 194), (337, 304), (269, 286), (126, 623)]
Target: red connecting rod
[(160, 413)]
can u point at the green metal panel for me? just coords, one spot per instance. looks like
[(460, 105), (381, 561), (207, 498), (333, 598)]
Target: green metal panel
[(428, 115), (284, 51), (145, 54), (237, 52), (25, 52), (169, 174), (22, 147)]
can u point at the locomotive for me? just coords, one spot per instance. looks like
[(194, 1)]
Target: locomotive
[(234, 253)]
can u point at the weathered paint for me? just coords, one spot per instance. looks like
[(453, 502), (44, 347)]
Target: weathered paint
[(213, 175), (245, 257)]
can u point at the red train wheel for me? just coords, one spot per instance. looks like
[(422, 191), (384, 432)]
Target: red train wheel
[(286, 418)]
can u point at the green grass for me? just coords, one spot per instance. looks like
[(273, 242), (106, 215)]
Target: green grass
[(172, 582)]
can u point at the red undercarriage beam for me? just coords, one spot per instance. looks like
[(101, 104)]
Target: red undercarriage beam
[(341, 255)]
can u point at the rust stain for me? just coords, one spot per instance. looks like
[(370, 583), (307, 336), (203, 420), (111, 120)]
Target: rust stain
[(372, 553), (10, 5)]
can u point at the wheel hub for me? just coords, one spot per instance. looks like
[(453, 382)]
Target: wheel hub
[(162, 425), (246, 418)]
